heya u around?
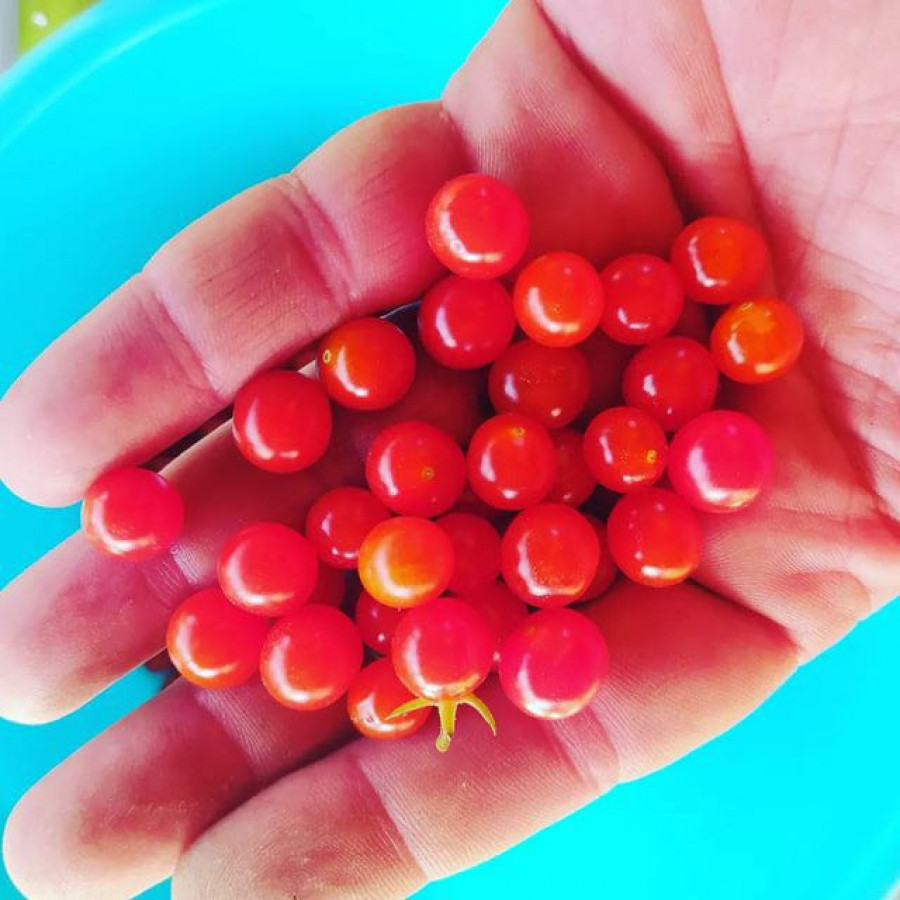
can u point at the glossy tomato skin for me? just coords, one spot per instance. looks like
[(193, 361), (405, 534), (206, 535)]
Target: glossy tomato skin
[(550, 384), (607, 570), (339, 520), (574, 482), (465, 324), (476, 548), (721, 461), (720, 260), (268, 569), (366, 364), (558, 299), (501, 608), (442, 650), (282, 421), (549, 555), (625, 449), (643, 298), (511, 461), (374, 694), (310, 658), (132, 513), (477, 227), (406, 561), (654, 537), (674, 379), (415, 469), (213, 643), (376, 622), (553, 664), (757, 341)]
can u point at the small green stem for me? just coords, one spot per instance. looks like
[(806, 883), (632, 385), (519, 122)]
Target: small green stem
[(447, 713)]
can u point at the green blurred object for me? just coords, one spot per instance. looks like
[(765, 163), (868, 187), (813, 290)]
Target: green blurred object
[(38, 18)]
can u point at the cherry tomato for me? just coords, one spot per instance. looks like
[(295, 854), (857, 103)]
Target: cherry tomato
[(674, 379), (310, 658), (212, 642), (550, 384), (643, 298), (501, 608), (132, 513), (406, 561), (330, 587), (416, 469), (720, 461), (282, 421), (466, 324), (366, 364), (553, 664), (376, 622), (607, 569), (720, 260), (442, 650), (654, 537), (606, 361), (511, 461), (268, 569), (625, 449), (574, 482), (549, 555), (757, 340), (374, 694), (476, 547), (339, 520), (558, 299), (477, 226)]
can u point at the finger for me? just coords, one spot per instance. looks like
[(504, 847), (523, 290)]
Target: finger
[(113, 819), (233, 293), (375, 820)]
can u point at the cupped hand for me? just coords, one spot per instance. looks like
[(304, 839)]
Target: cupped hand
[(613, 120)]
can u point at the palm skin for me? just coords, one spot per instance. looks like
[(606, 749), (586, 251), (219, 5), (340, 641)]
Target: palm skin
[(607, 117)]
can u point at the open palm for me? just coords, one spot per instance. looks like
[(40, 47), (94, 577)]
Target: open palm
[(612, 120)]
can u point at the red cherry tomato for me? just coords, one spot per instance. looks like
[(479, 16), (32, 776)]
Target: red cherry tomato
[(553, 664), (366, 364), (374, 694), (607, 569), (477, 226), (282, 421), (720, 260), (654, 537), (310, 658), (673, 379), (268, 569), (466, 324), (757, 340), (442, 650), (643, 298), (574, 482), (721, 461), (416, 469), (550, 384), (625, 449), (214, 644), (406, 561), (339, 520), (511, 461), (132, 513), (330, 587), (476, 548), (558, 299), (549, 555), (376, 622), (501, 608)]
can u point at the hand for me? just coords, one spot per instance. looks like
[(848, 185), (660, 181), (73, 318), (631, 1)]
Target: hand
[(608, 118)]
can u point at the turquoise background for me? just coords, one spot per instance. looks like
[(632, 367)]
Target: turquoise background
[(134, 120)]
